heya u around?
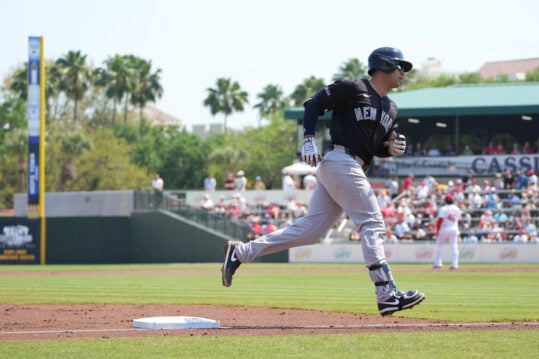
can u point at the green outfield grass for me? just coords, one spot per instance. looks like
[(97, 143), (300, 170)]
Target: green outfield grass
[(451, 296)]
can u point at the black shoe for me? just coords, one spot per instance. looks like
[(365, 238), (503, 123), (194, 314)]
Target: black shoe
[(230, 264), (400, 301)]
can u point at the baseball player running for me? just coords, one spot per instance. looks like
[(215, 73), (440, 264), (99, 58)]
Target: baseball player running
[(362, 126), (447, 230)]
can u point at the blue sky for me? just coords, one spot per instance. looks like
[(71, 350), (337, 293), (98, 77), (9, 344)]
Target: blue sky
[(262, 42)]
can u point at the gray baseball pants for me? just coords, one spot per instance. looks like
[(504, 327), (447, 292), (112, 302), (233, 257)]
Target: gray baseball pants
[(342, 185)]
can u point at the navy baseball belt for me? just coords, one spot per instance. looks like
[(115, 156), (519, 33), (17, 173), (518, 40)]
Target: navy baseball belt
[(349, 152)]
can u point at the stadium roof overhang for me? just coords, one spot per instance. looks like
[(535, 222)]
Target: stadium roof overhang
[(481, 110)]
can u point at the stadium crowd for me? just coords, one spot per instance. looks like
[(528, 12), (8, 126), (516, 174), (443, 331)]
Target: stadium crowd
[(491, 149), (501, 208)]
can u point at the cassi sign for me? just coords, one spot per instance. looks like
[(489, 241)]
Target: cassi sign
[(483, 165)]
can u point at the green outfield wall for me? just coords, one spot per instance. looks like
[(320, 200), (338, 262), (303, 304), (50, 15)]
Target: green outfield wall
[(147, 237)]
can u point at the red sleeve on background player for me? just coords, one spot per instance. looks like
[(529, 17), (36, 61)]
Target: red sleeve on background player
[(439, 224)]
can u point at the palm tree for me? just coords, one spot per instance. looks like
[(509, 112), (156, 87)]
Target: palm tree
[(19, 82), (352, 69), (308, 88), (52, 89), (72, 145), (226, 98), (271, 100), (74, 81), (115, 79), (147, 86), (17, 144)]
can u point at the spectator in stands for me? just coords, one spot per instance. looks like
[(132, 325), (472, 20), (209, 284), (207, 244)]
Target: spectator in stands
[(485, 187), (498, 182), (524, 219), (458, 195), (491, 199), (521, 181), (259, 184), (409, 150), (473, 187), (255, 227), (532, 180), (392, 185), (501, 218), (513, 199), (467, 151), (515, 150), (210, 183), (531, 230), (476, 200), (508, 180), (408, 182), (428, 209), (490, 149), (466, 218), (521, 237), (527, 148), (221, 206), (269, 183), (402, 230), (459, 185), (433, 152), (419, 151), (288, 182), (207, 203), (389, 213), (487, 218), (241, 181), (467, 179), (450, 150), (500, 150), (422, 191), (158, 186), (229, 181), (383, 198), (470, 237), (390, 236), (270, 227), (431, 182), (414, 220), (309, 181)]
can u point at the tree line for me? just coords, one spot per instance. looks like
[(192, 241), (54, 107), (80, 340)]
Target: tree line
[(98, 137)]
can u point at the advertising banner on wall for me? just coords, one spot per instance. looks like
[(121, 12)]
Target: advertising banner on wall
[(483, 165), (19, 241)]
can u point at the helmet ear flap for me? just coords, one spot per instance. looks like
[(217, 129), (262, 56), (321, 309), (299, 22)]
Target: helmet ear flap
[(381, 64)]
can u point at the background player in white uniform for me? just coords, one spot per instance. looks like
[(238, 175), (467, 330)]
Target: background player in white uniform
[(447, 231), (362, 126)]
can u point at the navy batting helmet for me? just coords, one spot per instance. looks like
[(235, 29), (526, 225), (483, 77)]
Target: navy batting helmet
[(388, 59)]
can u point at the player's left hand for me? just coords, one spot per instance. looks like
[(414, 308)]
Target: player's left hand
[(309, 152), (397, 144)]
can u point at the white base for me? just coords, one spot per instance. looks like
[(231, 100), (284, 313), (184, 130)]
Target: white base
[(175, 323)]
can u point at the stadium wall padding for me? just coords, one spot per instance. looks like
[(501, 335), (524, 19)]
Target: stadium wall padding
[(147, 237)]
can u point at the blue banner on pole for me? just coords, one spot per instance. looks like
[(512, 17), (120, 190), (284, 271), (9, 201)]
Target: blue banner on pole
[(34, 117), (33, 169)]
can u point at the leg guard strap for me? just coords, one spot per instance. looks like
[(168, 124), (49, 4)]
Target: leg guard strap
[(381, 275)]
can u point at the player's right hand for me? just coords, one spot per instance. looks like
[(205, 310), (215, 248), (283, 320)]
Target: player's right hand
[(309, 152)]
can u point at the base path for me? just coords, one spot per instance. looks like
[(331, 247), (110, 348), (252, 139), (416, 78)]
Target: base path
[(37, 322)]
